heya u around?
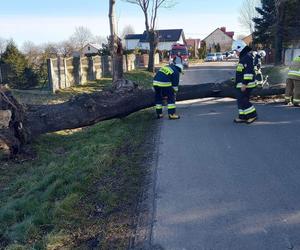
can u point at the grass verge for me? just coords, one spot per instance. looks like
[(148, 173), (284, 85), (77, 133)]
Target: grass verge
[(80, 191)]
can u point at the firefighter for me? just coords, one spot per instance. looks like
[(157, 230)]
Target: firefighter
[(292, 90), (245, 82), (258, 56), (165, 84)]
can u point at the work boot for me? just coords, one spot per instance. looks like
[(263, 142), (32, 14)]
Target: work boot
[(159, 116), (174, 117), (239, 120), (250, 120)]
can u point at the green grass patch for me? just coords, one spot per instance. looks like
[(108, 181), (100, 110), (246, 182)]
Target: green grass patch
[(142, 77), (81, 189)]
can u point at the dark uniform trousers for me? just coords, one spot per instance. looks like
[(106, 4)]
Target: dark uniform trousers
[(246, 109), (160, 93)]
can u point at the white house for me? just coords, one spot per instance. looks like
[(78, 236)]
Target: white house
[(132, 41), (166, 39), (219, 36), (91, 49)]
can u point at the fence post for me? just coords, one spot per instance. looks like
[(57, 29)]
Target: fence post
[(67, 84), (91, 69), (51, 83)]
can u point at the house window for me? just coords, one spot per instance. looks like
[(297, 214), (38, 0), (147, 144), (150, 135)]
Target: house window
[(89, 48)]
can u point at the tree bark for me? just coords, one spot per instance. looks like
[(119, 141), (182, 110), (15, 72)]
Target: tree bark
[(116, 49), (153, 45), (33, 120)]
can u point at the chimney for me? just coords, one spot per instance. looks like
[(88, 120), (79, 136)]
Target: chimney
[(223, 29)]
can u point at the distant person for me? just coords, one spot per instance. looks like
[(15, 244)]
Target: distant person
[(292, 90), (245, 82), (165, 84), (258, 57), (178, 58)]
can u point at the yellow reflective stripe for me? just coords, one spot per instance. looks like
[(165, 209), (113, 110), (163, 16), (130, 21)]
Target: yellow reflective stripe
[(249, 110), (248, 76), (248, 86), (241, 112), (171, 106), (288, 97), (162, 84), (166, 70), (294, 73), (240, 67), (251, 85), (158, 106), (296, 100)]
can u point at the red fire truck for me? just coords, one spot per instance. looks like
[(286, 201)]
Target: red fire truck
[(180, 50)]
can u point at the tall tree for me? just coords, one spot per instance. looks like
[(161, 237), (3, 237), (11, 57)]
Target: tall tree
[(150, 9), (247, 13), (264, 24), (116, 50)]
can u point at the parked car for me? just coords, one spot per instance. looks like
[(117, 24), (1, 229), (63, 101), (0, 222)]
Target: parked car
[(211, 57), (219, 56)]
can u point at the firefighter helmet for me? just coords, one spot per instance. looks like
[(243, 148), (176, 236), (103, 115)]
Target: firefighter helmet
[(262, 53), (238, 45)]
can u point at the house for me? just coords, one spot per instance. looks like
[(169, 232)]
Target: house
[(165, 39), (91, 49), (248, 39), (132, 41), (219, 36)]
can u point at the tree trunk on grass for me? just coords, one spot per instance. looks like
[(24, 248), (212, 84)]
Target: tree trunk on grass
[(19, 125)]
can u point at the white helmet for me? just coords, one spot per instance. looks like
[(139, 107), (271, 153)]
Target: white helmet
[(262, 53), (180, 66), (238, 45)]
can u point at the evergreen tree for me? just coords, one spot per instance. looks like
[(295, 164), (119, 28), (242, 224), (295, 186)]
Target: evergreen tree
[(264, 24), (291, 22), (18, 73)]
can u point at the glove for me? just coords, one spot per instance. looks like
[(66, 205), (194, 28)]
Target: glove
[(175, 89)]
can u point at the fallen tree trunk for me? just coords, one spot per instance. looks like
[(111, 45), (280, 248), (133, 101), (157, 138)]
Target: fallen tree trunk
[(19, 125)]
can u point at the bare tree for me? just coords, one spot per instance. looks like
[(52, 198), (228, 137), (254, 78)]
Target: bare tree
[(65, 48), (128, 29), (32, 52), (81, 37), (150, 9), (99, 40), (247, 13), (116, 50)]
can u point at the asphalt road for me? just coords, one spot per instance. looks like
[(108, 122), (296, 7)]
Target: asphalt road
[(208, 72), (225, 186)]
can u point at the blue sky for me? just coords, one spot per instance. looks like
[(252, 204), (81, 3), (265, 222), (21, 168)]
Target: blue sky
[(43, 21)]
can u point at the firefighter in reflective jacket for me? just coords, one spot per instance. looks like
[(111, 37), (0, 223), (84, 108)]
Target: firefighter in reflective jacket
[(292, 90), (166, 83), (245, 82)]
